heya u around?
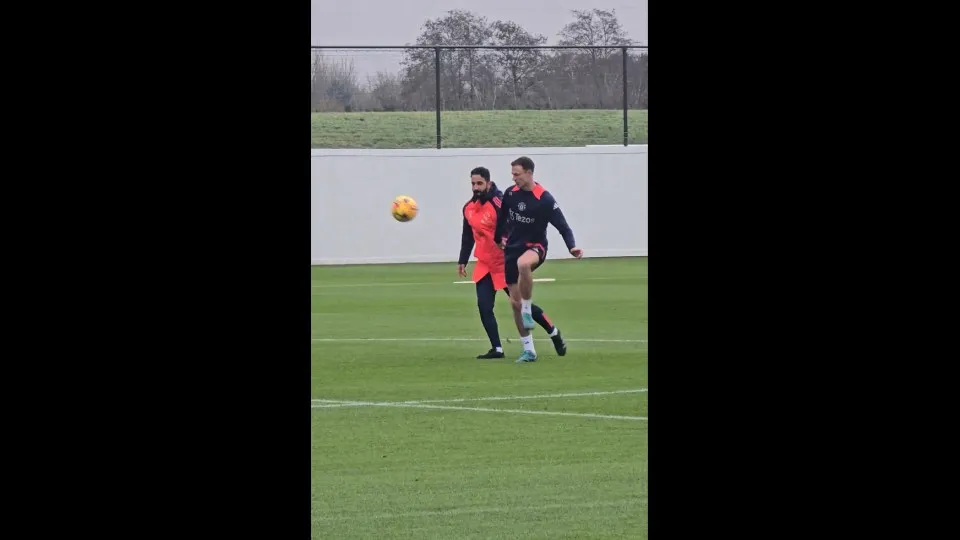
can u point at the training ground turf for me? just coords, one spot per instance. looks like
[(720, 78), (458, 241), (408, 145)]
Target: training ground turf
[(413, 437)]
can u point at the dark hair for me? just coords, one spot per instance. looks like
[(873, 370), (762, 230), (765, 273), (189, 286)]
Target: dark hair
[(524, 162), (481, 171)]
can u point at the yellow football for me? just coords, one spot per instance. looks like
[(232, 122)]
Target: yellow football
[(404, 208)]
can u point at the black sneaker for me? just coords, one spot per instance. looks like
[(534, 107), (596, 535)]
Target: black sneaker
[(559, 344), (492, 353)]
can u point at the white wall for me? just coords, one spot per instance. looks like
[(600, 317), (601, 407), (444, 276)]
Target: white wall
[(601, 190)]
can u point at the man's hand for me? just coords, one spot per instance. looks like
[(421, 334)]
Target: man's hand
[(503, 243), (576, 252), (462, 270)]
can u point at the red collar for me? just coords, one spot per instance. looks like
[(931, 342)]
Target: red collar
[(537, 190)]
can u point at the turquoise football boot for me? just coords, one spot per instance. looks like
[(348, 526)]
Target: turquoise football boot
[(527, 356)]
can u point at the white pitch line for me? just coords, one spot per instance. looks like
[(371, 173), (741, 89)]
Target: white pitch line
[(541, 396), (404, 283), (470, 339), (538, 280), (385, 284), (606, 278), (344, 404), (513, 411), (484, 510), (335, 405), (490, 398), (428, 404)]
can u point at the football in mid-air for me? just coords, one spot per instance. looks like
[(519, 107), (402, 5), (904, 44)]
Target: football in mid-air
[(404, 208)]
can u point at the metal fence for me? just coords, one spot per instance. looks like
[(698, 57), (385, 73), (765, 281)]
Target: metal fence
[(479, 96)]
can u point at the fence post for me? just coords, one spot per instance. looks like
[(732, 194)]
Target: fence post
[(437, 88), (626, 133)]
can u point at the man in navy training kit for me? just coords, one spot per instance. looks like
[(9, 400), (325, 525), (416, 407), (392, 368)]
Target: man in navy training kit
[(522, 233), (480, 216)]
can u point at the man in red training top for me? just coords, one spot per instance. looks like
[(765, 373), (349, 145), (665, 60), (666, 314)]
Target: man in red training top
[(480, 216)]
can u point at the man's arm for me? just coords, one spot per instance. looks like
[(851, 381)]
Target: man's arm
[(466, 243), (501, 221), (497, 203), (560, 223)]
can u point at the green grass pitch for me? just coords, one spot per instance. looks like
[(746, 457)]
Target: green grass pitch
[(476, 129), (413, 437)]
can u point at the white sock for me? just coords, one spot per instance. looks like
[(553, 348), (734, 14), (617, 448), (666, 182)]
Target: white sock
[(525, 305), (555, 331), (499, 349), (528, 343)]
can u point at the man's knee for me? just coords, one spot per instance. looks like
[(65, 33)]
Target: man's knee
[(527, 262)]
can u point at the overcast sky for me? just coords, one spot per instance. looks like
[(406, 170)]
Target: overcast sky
[(387, 22)]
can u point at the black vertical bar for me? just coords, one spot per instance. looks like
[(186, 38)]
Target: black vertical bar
[(626, 133), (437, 75)]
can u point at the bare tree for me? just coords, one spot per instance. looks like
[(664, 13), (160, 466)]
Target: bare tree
[(514, 77), (387, 90), (637, 78), (333, 83), (460, 68), (520, 66), (598, 28)]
